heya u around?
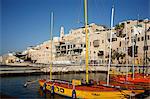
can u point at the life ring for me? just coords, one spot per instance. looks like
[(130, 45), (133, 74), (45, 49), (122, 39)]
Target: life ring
[(73, 94)]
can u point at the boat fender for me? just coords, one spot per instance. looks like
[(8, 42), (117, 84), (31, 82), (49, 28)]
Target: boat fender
[(52, 89), (73, 94), (44, 87)]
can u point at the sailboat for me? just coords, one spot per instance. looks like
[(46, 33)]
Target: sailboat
[(78, 90)]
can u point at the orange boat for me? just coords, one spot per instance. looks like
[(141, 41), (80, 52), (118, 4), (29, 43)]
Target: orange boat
[(139, 78), (139, 81), (127, 85), (135, 80)]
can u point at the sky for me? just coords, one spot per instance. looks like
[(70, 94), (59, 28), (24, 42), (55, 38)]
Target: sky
[(25, 23)]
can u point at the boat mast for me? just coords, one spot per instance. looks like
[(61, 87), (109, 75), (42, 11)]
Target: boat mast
[(133, 59), (112, 21), (86, 32), (51, 32), (126, 47), (145, 47)]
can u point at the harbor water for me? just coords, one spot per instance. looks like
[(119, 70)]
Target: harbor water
[(13, 86)]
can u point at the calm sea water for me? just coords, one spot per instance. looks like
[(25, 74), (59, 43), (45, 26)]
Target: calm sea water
[(13, 86)]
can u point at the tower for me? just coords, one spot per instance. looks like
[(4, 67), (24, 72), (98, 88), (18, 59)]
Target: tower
[(61, 33)]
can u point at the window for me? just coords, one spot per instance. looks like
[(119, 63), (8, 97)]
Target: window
[(122, 23), (128, 22), (145, 47), (148, 29), (74, 45), (114, 39), (138, 39), (120, 44), (96, 43), (102, 41), (147, 37), (100, 53), (140, 20), (142, 38)]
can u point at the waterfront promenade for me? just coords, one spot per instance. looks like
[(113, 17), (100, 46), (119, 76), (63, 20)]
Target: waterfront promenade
[(18, 69)]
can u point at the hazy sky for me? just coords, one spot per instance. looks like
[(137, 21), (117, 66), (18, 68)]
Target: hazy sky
[(27, 22)]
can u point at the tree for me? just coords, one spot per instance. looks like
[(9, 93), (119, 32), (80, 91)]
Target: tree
[(119, 30)]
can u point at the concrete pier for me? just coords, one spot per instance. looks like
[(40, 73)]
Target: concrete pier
[(75, 68), (63, 68)]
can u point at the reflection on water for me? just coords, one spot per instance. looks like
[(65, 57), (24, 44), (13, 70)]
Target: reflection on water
[(13, 86)]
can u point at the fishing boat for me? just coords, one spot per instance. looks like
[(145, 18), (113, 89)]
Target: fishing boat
[(78, 89)]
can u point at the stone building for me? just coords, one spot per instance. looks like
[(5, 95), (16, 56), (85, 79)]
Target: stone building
[(129, 30), (41, 53), (71, 47)]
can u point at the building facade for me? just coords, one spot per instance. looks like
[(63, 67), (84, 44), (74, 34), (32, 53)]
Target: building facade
[(71, 47)]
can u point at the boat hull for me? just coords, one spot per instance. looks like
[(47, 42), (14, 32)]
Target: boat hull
[(86, 91)]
